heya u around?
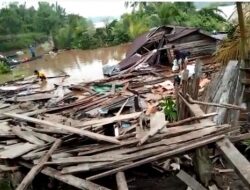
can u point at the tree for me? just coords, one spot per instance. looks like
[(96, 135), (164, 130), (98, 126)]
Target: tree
[(233, 48)]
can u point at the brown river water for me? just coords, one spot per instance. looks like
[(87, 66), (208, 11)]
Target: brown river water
[(81, 65)]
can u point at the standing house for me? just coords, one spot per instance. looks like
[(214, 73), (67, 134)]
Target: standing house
[(161, 40)]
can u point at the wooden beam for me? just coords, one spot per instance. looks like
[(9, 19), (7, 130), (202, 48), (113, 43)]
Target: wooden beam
[(104, 121), (17, 150), (190, 119), (190, 181), (238, 161), (157, 157), (66, 128), (37, 168), (68, 179), (229, 106), (27, 136), (240, 137), (121, 181)]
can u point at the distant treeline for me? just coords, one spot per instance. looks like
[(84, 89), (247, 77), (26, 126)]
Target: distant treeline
[(21, 26)]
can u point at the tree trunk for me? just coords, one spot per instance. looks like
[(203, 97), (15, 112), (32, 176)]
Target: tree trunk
[(242, 30)]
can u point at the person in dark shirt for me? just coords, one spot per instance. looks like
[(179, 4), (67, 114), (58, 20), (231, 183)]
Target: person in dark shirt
[(180, 56)]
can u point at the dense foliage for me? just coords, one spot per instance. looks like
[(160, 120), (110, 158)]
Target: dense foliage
[(26, 25)]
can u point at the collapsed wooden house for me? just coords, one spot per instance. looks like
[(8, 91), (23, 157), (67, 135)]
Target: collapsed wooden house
[(159, 41)]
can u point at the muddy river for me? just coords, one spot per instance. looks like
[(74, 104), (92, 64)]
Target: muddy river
[(81, 65)]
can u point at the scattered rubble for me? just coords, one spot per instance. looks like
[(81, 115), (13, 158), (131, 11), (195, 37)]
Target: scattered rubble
[(117, 123)]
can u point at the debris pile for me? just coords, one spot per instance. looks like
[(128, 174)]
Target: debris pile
[(118, 123)]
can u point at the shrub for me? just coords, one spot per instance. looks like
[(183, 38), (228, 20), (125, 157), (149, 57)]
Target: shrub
[(20, 41), (4, 68), (169, 108)]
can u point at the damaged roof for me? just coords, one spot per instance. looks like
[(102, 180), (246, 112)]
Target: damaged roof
[(172, 33)]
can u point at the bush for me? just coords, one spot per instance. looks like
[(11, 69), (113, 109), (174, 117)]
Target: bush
[(4, 68), (20, 41), (169, 108)]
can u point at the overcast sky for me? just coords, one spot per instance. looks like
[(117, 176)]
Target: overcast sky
[(86, 8), (96, 8)]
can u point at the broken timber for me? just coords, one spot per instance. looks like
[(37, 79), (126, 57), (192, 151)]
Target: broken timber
[(238, 161), (37, 168), (190, 181), (68, 179), (69, 129), (157, 157)]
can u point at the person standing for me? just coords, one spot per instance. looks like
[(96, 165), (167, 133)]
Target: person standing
[(181, 57), (32, 51)]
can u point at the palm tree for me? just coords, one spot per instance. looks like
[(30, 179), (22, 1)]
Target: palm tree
[(237, 45)]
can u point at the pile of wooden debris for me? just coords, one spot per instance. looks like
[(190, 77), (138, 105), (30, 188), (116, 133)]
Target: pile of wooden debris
[(116, 124)]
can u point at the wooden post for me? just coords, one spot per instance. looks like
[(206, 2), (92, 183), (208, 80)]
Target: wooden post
[(37, 168), (202, 164), (182, 107), (120, 176)]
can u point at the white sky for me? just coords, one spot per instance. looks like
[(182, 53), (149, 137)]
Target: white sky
[(95, 8), (86, 8)]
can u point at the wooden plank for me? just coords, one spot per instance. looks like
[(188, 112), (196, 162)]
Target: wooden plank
[(223, 105), (43, 137), (104, 121), (82, 159), (18, 150), (91, 166), (3, 105), (240, 137), (157, 123), (238, 161), (33, 155), (69, 129), (37, 168), (121, 181), (26, 136), (4, 168), (190, 119), (82, 167), (190, 181), (41, 96), (157, 157), (68, 179), (245, 81)]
